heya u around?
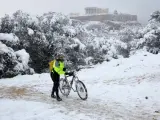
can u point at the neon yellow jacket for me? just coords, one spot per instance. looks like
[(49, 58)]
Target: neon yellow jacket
[(58, 67)]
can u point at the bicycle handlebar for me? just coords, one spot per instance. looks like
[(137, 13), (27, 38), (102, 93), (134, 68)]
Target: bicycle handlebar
[(74, 72)]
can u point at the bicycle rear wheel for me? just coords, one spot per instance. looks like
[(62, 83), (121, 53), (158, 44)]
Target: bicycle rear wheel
[(81, 90), (64, 87)]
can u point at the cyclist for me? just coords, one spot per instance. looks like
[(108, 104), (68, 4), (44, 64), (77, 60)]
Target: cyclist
[(57, 68)]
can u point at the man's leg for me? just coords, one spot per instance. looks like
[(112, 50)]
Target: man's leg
[(53, 88), (57, 86)]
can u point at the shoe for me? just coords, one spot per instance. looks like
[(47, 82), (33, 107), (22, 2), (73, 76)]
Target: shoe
[(59, 99), (53, 96)]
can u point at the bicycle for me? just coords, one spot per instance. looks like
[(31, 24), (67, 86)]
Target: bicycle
[(66, 86)]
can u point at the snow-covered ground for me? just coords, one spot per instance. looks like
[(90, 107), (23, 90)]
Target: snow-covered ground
[(123, 89)]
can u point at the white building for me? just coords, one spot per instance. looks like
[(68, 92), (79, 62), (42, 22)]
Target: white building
[(95, 11), (100, 14)]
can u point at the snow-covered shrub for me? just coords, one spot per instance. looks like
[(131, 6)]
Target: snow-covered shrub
[(6, 24), (112, 25), (23, 58), (42, 37), (9, 39), (150, 35), (126, 36), (94, 25), (13, 63), (94, 53), (156, 16)]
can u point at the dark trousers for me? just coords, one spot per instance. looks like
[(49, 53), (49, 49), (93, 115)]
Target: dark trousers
[(55, 78)]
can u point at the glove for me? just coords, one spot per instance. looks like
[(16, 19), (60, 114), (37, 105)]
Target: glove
[(66, 73), (64, 69), (69, 73)]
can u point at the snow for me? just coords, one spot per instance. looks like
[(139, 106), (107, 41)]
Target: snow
[(30, 31), (19, 59), (70, 30), (58, 17), (123, 89), (3, 48), (6, 50), (150, 36), (139, 64), (23, 56), (77, 41), (30, 111), (88, 59), (9, 37)]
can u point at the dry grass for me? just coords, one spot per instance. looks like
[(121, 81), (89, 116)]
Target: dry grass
[(14, 92), (23, 93)]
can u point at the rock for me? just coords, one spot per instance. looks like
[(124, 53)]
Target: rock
[(157, 111), (146, 97)]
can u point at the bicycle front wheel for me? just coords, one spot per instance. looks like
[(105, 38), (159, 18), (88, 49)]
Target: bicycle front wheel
[(81, 90), (64, 87)]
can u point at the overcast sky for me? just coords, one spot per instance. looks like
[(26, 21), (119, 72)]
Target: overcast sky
[(142, 8)]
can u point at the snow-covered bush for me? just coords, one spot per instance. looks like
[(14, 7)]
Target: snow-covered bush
[(97, 28), (127, 36), (6, 24), (42, 37), (149, 36), (112, 25), (13, 63), (155, 16)]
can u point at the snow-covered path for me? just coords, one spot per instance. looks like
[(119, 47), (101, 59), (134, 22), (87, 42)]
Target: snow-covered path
[(99, 106), (124, 89)]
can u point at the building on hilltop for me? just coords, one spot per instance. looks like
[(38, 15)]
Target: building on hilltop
[(100, 14), (95, 11)]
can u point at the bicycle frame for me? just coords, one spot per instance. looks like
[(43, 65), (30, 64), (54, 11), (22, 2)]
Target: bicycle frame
[(67, 84), (73, 80)]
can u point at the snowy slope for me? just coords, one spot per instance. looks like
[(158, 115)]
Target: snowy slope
[(123, 89)]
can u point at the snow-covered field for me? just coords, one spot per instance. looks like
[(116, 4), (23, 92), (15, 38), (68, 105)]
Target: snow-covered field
[(123, 89)]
